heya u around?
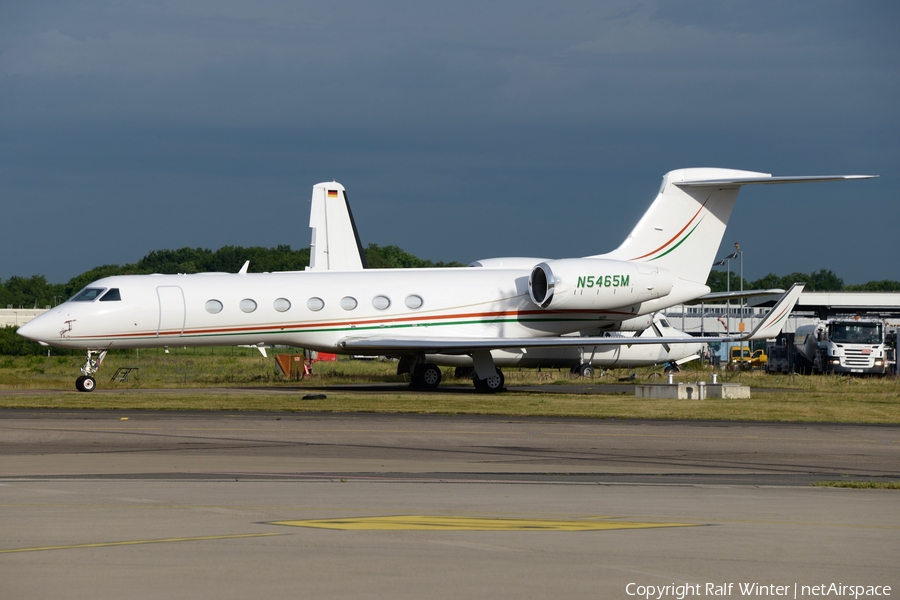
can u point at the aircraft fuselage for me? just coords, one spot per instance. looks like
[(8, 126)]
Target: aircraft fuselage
[(314, 309)]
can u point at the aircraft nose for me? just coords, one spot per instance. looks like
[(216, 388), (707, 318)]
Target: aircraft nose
[(39, 329)]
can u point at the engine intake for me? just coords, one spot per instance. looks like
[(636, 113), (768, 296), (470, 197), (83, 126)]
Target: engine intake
[(596, 284)]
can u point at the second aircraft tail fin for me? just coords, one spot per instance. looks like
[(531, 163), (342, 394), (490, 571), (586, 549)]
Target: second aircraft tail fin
[(335, 244)]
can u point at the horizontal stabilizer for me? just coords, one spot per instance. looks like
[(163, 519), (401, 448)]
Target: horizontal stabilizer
[(739, 181)]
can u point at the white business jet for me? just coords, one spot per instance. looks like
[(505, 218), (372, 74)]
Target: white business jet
[(335, 246), (663, 262)]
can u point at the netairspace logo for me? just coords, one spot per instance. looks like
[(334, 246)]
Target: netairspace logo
[(688, 590)]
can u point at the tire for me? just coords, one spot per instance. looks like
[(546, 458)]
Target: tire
[(85, 384), (585, 370), (491, 385), (427, 376), (430, 376)]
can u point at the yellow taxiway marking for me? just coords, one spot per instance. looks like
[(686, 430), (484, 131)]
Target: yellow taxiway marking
[(139, 542), (432, 523)]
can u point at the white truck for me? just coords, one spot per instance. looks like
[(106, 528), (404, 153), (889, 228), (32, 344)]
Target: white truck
[(848, 345)]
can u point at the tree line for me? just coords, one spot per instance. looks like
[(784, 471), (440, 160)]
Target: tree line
[(823, 280), (37, 292)]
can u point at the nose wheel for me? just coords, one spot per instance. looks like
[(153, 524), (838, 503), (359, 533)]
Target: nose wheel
[(85, 384)]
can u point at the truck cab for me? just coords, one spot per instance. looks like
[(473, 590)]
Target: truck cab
[(845, 346)]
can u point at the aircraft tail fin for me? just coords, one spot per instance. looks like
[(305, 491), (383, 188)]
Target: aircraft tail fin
[(774, 322), (335, 244), (682, 229)]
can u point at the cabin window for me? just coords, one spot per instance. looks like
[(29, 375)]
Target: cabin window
[(247, 305), (381, 302), (282, 305), (315, 304), (348, 303), (414, 301), (88, 295), (213, 307), (112, 295)]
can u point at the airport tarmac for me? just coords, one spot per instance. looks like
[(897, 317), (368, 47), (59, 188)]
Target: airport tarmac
[(97, 504)]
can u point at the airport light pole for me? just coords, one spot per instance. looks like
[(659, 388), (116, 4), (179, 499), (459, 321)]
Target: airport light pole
[(739, 252), (727, 262)]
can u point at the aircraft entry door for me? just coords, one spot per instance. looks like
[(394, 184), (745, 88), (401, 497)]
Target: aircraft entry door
[(171, 310)]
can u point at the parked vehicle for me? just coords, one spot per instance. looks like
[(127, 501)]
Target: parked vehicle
[(779, 353), (841, 346)]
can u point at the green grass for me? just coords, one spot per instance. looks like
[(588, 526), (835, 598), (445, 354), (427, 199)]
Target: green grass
[(866, 485), (241, 379)]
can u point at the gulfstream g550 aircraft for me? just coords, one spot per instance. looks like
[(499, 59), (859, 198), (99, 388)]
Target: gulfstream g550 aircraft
[(413, 312)]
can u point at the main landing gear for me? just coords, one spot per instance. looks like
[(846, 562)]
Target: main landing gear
[(87, 383), (584, 370), (422, 375), (490, 384), (427, 376)]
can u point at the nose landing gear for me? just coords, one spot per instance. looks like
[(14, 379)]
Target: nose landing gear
[(87, 383)]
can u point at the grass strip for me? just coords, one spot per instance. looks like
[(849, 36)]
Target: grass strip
[(768, 407), (862, 485)]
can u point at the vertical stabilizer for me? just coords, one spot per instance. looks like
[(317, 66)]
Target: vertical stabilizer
[(684, 226), (682, 229), (335, 244)]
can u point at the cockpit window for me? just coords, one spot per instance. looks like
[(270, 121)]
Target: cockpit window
[(662, 322), (112, 295), (88, 294)]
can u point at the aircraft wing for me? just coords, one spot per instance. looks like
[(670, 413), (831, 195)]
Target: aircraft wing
[(447, 345), (769, 327)]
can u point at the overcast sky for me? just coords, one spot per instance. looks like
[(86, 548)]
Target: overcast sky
[(462, 130)]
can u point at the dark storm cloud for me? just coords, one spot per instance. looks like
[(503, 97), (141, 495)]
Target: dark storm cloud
[(462, 130)]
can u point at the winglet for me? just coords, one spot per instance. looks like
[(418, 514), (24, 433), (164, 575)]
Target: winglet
[(774, 322)]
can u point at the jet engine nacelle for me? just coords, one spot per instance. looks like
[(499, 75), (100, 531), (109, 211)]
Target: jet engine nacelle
[(596, 283)]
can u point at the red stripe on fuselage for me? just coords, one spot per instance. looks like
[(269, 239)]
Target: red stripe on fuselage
[(346, 323)]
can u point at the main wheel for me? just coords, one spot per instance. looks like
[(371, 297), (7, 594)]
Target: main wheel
[(491, 385), (79, 382), (585, 370), (427, 376), (430, 376)]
